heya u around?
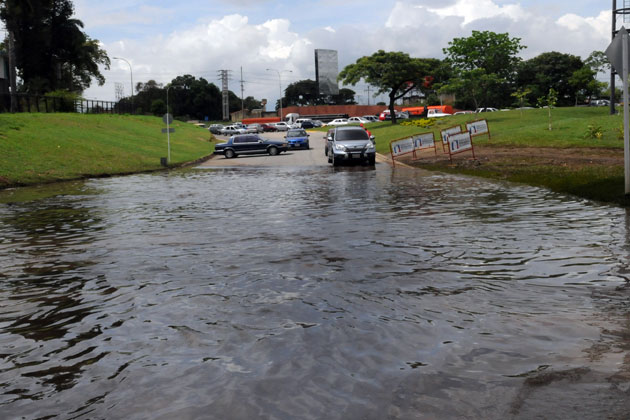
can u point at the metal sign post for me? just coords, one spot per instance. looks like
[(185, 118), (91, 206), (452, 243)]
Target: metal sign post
[(617, 53), (168, 120)]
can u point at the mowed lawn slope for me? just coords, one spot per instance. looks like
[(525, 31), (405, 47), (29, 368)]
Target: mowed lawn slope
[(36, 148)]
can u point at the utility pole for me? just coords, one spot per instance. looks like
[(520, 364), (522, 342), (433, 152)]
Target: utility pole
[(225, 95), (368, 94), (242, 101)]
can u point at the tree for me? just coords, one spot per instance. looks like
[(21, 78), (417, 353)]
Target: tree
[(484, 65), (521, 94), (300, 93), (394, 73), (52, 51), (549, 101), (550, 70), (344, 97)]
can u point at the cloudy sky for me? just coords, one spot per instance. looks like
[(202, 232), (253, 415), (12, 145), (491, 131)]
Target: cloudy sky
[(163, 39)]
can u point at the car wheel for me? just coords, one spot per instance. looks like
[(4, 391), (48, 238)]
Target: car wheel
[(372, 160), (325, 151), (229, 154), (307, 146), (273, 151), (335, 162)]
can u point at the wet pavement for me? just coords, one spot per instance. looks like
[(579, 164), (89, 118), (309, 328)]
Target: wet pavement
[(311, 292)]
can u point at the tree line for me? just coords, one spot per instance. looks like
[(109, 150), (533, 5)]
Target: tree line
[(52, 53), (482, 70)]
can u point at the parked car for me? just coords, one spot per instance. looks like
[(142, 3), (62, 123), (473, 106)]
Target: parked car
[(297, 137), (268, 127), (463, 112), (385, 115), (338, 121), (485, 110), (215, 128), (200, 125), (249, 144), (254, 128), (600, 102), (351, 144), (370, 118), (357, 120), (233, 129), (317, 123), (328, 137), (281, 126), (307, 124)]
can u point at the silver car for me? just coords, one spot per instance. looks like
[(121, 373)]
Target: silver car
[(350, 143)]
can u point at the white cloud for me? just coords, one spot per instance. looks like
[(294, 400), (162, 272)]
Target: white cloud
[(418, 28), (600, 24)]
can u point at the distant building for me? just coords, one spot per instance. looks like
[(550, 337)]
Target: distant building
[(326, 72)]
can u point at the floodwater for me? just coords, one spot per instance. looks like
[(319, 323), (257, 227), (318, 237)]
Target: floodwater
[(311, 293)]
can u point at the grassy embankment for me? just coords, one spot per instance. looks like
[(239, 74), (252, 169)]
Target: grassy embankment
[(561, 158), (38, 148)]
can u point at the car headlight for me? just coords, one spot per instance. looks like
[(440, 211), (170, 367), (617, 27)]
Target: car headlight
[(340, 147), (369, 146)]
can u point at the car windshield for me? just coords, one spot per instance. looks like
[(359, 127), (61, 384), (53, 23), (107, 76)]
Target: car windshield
[(296, 133), (344, 135)]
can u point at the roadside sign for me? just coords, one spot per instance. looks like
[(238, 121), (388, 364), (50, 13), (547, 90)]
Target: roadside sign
[(459, 143), (167, 118), (423, 141), (478, 128), (447, 132), (614, 52), (618, 55), (401, 147)]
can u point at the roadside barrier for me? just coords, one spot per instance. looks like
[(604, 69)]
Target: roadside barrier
[(478, 128), (460, 143), (456, 129), (413, 144)]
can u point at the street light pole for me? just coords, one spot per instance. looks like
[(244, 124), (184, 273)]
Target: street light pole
[(130, 72), (280, 84)]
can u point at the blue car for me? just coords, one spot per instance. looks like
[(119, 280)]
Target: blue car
[(297, 138)]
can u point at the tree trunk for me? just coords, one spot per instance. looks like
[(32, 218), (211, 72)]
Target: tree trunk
[(392, 111)]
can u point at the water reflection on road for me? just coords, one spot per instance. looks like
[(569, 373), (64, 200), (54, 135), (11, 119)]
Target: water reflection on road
[(311, 293)]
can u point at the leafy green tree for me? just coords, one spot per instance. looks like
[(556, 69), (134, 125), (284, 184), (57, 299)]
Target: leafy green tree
[(344, 97), (520, 95), (52, 51), (158, 107), (550, 70), (251, 103), (484, 65), (585, 84), (394, 73)]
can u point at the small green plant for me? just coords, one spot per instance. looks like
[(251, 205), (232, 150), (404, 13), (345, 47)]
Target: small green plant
[(594, 132), (549, 102), (619, 131)]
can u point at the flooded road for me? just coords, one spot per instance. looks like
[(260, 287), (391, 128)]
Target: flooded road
[(311, 293)]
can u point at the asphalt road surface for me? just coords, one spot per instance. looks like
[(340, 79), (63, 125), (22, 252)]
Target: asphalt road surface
[(299, 157)]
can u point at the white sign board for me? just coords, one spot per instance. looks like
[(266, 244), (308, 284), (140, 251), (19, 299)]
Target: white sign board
[(477, 128), (459, 142), (401, 147), (449, 131), (423, 141)]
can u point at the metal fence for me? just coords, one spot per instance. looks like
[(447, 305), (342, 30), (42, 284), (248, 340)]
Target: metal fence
[(36, 103)]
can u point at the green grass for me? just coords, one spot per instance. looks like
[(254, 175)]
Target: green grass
[(510, 129), (37, 148)]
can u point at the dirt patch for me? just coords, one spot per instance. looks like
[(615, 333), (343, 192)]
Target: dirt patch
[(570, 157)]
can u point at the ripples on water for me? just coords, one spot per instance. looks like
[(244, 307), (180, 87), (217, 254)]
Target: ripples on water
[(313, 293)]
